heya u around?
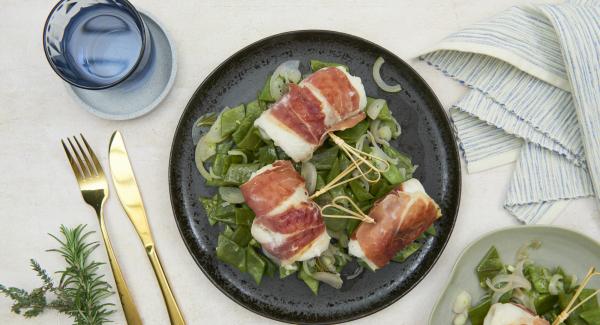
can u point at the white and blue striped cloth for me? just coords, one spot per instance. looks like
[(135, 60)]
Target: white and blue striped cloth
[(534, 98)]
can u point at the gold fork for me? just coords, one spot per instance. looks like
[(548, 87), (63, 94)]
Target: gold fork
[(94, 189)]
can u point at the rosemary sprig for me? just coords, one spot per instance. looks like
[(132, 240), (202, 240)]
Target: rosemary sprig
[(80, 292)]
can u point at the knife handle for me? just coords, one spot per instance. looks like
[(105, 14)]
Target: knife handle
[(174, 314), (132, 315)]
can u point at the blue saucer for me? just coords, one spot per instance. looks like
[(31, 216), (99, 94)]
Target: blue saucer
[(127, 101)]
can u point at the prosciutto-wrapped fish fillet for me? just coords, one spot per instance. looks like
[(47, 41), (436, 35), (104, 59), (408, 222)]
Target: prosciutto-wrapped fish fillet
[(288, 225), (328, 100), (400, 217), (511, 314)]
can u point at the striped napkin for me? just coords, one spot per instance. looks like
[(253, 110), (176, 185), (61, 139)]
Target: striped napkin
[(534, 98)]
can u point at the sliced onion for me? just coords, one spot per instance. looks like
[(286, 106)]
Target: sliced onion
[(556, 284), (327, 262), (309, 172), (206, 146), (385, 133), (375, 108), (334, 280), (374, 128), (573, 279), (360, 143), (523, 251), (379, 81), (460, 319), (212, 174), (232, 195), (358, 271), (398, 130), (204, 150), (214, 134), (285, 73), (499, 292), (523, 299), (378, 152), (462, 302), (513, 280), (201, 125), (202, 169), (519, 269), (237, 152)]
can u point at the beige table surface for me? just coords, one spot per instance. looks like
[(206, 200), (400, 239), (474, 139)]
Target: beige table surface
[(38, 191)]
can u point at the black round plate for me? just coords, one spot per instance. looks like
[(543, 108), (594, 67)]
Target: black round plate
[(426, 136)]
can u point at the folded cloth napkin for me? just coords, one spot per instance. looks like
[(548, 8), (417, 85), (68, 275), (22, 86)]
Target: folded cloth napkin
[(534, 98)]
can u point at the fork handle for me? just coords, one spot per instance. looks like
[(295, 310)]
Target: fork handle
[(131, 313), (174, 313)]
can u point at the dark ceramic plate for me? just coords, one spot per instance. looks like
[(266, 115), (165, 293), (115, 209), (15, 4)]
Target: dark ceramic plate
[(426, 136)]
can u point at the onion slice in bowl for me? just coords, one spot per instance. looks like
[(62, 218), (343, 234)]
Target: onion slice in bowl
[(379, 81)]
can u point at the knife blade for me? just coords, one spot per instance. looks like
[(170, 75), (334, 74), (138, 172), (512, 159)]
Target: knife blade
[(131, 200), (127, 188)]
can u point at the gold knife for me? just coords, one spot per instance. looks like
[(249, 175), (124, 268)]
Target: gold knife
[(131, 199)]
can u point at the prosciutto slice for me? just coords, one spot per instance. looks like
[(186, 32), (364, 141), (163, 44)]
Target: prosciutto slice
[(288, 225), (400, 217), (328, 100)]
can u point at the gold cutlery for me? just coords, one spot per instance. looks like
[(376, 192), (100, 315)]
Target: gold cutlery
[(94, 189), (131, 199)]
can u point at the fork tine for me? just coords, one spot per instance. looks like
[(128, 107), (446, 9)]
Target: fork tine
[(93, 155), (89, 164), (72, 162), (79, 160)]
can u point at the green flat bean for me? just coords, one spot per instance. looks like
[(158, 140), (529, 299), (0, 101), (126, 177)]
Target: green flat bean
[(244, 216), (286, 271), (489, 266), (231, 253), (225, 213), (323, 159), (241, 235), (359, 191), (402, 255), (478, 312), (544, 303), (265, 93), (210, 207), (352, 134), (238, 174), (310, 281), (221, 164), (251, 141), (267, 154), (231, 118), (591, 317), (255, 265)]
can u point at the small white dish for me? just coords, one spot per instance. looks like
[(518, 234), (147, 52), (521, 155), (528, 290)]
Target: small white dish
[(569, 249), (128, 101)]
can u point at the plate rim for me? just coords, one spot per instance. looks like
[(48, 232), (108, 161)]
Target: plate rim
[(454, 153), (491, 233)]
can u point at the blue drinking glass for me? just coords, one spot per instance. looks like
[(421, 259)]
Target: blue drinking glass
[(96, 44)]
